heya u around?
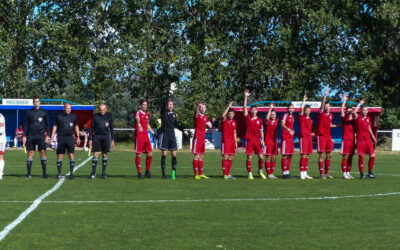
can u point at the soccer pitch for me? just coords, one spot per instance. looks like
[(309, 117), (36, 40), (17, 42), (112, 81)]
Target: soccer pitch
[(122, 212)]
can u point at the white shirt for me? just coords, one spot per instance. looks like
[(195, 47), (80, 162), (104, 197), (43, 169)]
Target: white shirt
[(2, 128)]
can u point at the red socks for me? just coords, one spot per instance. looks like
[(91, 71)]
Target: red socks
[(361, 163), (248, 165), (200, 167), (195, 166), (349, 163), (327, 165), (225, 167), (289, 163), (229, 167), (260, 164), (148, 163), (371, 163), (321, 167), (268, 167), (303, 164), (273, 164), (138, 165), (344, 165), (284, 164)]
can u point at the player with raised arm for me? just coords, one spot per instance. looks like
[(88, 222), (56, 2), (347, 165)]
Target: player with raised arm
[(199, 144), (169, 121), (271, 141), (3, 142), (101, 137), (287, 141), (364, 134), (324, 137), (36, 133), (143, 144), (348, 138), (305, 138), (66, 126), (229, 143), (254, 137)]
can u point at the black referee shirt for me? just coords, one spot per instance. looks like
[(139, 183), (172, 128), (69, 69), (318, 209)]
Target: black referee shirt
[(66, 124), (102, 125), (36, 122)]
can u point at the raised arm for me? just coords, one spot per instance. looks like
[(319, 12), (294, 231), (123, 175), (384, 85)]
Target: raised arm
[(271, 107), (246, 94), (343, 107), (226, 111), (303, 104), (323, 101), (355, 115)]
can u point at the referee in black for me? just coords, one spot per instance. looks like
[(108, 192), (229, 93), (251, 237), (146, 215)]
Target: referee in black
[(101, 138), (169, 121), (36, 133), (66, 125)]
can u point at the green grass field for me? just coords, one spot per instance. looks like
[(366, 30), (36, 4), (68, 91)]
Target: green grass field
[(206, 214)]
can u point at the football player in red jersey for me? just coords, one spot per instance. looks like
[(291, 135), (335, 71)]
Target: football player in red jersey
[(198, 147), (325, 142), (305, 138), (364, 143), (229, 141), (348, 138), (287, 141), (143, 144), (271, 141), (254, 137)]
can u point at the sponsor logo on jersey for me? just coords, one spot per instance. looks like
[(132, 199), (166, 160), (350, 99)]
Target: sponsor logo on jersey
[(40, 119)]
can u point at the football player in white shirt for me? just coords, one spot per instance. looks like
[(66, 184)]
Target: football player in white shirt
[(3, 142)]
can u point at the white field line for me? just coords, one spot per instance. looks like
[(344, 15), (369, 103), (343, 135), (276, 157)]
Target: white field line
[(221, 200), (35, 204)]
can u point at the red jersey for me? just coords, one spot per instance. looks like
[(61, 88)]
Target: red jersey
[(228, 130), (144, 122), (200, 126), (254, 125), (19, 132), (289, 123), (324, 124), (362, 128), (271, 131), (305, 126), (348, 125)]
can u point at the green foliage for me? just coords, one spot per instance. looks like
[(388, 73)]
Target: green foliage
[(119, 51)]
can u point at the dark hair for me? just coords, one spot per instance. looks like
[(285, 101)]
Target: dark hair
[(327, 103), (348, 107), (253, 106), (142, 101), (364, 106), (290, 104), (231, 110), (273, 110), (307, 106), (170, 100), (36, 97)]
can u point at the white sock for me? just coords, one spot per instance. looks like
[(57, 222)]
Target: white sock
[(1, 167)]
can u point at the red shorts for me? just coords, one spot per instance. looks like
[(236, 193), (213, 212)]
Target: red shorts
[(348, 147), (253, 146), (324, 144), (306, 147), (287, 147), (228, 148), (198, 146), (270, 149), (143, 145), (365, 148)]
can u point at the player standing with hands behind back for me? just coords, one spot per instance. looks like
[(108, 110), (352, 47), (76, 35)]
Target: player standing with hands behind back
[(36, 133), (101, 138)]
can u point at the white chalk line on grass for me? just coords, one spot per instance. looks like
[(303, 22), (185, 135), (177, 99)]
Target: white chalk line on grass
[(220, 200), (36, 203)]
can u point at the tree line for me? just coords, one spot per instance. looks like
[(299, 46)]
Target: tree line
[(119, 52)]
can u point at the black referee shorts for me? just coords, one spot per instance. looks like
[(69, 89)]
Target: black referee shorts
[(35, 140), (101, 143), (168, 142), (65, 143)]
